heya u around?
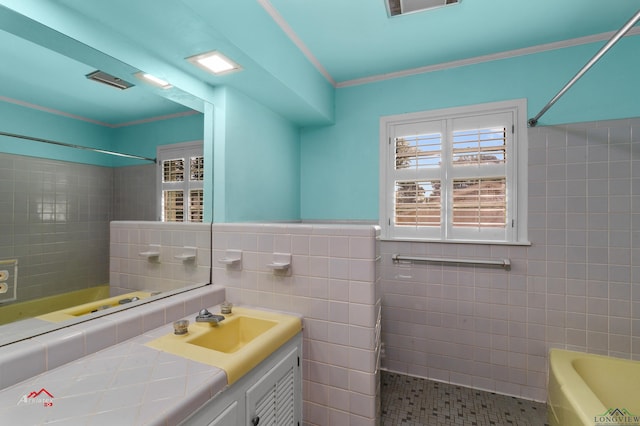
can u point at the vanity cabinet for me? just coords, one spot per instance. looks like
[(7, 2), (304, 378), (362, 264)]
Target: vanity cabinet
[(228, 417), (270, 394), (272, 400)]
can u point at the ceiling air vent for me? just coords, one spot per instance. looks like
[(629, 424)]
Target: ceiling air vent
[(104, 78), (401, 7)]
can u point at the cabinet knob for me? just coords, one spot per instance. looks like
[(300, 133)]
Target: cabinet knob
[(255, 421)]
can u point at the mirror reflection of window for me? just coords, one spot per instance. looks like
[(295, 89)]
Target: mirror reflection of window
[(181, 182)]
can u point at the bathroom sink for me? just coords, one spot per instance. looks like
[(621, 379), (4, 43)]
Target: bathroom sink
[(232, 334), (236, 345)]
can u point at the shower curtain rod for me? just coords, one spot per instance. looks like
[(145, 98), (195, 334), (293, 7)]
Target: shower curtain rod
[(69, 145), (617, 36)]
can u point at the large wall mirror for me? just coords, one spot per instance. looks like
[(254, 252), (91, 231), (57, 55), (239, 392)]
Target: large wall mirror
[(57, 202)]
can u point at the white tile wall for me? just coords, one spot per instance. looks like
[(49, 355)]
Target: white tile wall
[(129, 271), (575, 287), (333, 283)]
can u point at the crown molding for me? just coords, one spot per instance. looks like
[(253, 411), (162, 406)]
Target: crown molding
[(487, 58), (158, 118), (90, 120), (286, 28), (52, 111)]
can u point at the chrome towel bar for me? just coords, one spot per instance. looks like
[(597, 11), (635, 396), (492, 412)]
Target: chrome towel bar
[(503, 263)]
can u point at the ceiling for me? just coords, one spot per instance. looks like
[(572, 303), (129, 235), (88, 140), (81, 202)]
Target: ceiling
[(355, 39), (292, 51), (41, 78)]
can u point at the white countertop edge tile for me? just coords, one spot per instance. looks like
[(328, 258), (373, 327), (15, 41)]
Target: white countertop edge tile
[(212, 380)]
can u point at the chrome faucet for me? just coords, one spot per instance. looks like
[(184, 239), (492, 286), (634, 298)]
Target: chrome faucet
[(206, 316)]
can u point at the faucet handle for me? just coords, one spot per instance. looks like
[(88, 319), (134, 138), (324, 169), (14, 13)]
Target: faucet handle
[(206, 316), (204, 313), (226, 308), (180, 327)]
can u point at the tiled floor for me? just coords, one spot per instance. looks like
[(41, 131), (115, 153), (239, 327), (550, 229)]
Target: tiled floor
[(413, 401)]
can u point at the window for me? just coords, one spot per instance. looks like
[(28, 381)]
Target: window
[(455, 175), (181, 177)]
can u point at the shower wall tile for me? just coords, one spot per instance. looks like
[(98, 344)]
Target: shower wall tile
[(135, 193), (573, 287), (55, 220)]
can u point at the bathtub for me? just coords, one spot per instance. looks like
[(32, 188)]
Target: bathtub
[(36, 307), (592, 390)]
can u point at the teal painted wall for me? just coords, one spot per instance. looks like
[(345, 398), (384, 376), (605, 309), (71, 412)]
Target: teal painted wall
[(252, 165), (143, 139), (339, 163), (261, 176), (219, 176), (209, 166), (22, 120), (264, 168), (305, 93)]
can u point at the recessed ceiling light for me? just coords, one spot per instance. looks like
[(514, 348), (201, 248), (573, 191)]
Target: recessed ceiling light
[(152, 79), (214, 62)]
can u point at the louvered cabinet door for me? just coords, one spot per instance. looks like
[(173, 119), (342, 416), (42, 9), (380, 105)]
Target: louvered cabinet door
[(275, 399)]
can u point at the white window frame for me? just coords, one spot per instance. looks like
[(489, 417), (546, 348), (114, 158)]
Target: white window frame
[(516, 174), (184, 150)]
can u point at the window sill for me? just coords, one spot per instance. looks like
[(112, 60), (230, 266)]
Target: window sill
[(475, 242)]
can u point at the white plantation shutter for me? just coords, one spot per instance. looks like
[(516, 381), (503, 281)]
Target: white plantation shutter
[(479, 203), (196, 211), (451, 176), (480, 177), (181, 179), (173, 206), (417, 203)]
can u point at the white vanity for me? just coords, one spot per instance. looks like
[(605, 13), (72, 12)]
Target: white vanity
[(130, 383), (271, 394)]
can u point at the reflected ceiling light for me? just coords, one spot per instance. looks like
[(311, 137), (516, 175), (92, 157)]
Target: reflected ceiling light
[(214, 62), (152, 79)]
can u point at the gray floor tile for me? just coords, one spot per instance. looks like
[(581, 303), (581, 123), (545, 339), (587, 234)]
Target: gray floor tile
[(413, 401)]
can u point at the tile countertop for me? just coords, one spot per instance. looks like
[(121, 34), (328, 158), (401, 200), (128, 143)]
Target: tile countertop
[(125, 384)]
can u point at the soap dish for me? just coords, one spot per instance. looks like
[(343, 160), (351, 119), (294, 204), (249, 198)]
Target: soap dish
[(151, 252), (232, 257), (281, 261)]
